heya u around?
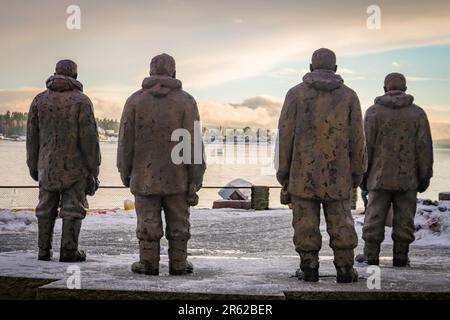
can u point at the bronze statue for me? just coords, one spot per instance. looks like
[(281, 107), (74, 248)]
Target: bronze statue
[(321, 157), (400, 155), (63, 155), (149, 118)]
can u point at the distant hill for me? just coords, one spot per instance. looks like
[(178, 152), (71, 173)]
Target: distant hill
[(441, 143)]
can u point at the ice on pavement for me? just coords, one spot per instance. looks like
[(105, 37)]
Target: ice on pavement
[(432, 221), (233, 251)]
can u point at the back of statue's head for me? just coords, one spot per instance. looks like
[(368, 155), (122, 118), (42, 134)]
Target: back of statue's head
[(163, 65), (395, 81), (323, 59), (66, 68)]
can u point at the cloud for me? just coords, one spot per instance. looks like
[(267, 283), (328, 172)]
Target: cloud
[(255, 112), (107, 107), (440, 130), (345, 71), (439, 117), (271, 104), (418, 79), (355, 78), (426, 79), (264, 111), (20, 99), (438, 113), (263, 53), (287, 73), (395, 64), (298, 73), (209, 51)]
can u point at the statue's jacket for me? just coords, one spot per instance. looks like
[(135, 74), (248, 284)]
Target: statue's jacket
[(321, 144), (399, 144), (62, 136), (149, 118)]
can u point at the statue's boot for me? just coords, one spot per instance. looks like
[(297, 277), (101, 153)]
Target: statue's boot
[(343, 261), (178, 263), (400, 254), (371, 254), (45, 238), (346, 274), (309, 275), (148, 258), (69, 242), (309, 266)]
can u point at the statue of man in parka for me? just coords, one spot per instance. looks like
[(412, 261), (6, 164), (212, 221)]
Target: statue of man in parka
[(321, 158), (63, 155), (146, 165), (400, 155)]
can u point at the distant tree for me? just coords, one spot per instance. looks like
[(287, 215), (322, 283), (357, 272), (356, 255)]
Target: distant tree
[(14, 123), (108, 124)]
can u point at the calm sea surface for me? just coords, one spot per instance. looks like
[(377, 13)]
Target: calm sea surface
[(251, 162)]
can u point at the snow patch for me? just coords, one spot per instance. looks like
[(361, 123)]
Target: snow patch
[(13, 222), (432, 220)]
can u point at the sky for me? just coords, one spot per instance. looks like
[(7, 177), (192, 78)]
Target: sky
[(237, 58)]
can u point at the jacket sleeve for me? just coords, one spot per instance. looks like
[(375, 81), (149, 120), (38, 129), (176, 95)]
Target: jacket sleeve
[(358, 150), (285, 140), (424, 151), (197, 167), (125, 150), (33, 137), (88, 137)]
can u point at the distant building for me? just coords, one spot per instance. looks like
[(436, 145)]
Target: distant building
[(110, 132)]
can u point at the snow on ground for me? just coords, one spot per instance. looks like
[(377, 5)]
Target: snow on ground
[(234, 251), (21, 221), (222, 275), (432, 221)]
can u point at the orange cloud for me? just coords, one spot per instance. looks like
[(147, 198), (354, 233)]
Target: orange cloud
[(255, 112)]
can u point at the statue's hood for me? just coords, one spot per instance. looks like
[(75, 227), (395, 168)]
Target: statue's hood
[(63, 83), (160, 86), (395, 99), (324, 80)]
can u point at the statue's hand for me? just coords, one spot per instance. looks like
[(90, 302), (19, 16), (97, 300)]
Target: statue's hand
[(192, 197), (34, 175), (357, 180), (285, 197), (423, 185), (125, 180), (92, 185)]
